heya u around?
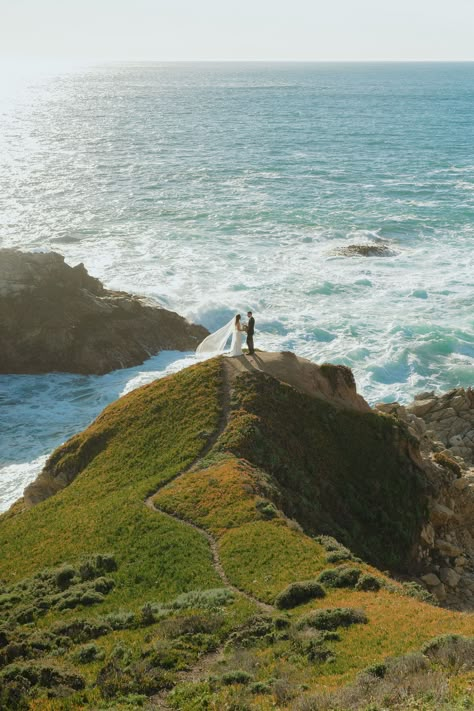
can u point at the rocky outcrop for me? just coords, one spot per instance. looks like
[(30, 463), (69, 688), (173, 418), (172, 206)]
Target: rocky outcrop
[(449, 418), (364, 250), (58, 318), (445, 552), (333, 383)]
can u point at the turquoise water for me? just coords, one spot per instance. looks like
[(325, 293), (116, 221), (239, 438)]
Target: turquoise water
[(219, 188)]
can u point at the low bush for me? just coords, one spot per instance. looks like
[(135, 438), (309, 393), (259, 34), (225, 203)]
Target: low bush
[(81, 630), (299, 593), (237, 676), (343, 577), (121, 620), (256, 628), (406, 682), (211, 599), (369, 583), (332, 618), (259, 687), (114, 679), (266, 509), (452, 651), (30, 675), (191, 624), (412, 589), (61, 588), (88, 653)]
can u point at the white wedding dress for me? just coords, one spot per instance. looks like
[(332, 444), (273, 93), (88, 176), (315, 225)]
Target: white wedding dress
[(217, 341)]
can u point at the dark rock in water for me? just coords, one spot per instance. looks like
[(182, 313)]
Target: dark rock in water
[(364, 250), (59, 318)]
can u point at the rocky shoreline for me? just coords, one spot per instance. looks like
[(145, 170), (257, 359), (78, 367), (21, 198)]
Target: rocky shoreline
[(58, 318)]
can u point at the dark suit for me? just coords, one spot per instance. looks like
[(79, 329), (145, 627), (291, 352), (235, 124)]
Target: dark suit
[(250, 333)]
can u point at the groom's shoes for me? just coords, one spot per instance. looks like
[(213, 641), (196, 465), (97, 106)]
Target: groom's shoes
[(251, 353)]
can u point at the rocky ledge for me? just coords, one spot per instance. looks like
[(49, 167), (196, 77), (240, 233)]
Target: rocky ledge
[(58, 318), (443, 428)]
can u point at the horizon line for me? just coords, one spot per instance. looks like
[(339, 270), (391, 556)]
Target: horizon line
[(40, 58)]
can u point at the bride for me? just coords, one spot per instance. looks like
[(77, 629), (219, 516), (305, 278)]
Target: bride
[(217, 341)]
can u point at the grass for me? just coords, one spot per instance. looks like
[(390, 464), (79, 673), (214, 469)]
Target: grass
[(286, 466), (157, 431)]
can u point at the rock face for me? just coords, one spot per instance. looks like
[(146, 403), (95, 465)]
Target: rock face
[(449, 418), (58, 318), (442, 427)]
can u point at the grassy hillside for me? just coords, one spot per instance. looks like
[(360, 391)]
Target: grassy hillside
[(205, 557)]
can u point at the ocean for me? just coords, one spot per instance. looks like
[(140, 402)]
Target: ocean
[(217, 188)]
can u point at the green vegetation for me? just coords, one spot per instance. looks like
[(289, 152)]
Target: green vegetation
[(333, 618), (365, 490), (298, 593), (105, 602)]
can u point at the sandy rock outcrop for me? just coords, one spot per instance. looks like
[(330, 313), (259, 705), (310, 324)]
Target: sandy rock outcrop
[(58, 318)]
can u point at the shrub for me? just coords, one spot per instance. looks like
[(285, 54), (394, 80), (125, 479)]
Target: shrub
[(339, 556), (121, 620), (453, 651), (88, 653), (237, 676), (368, 583), (343, 577), (259, 687), (114, 680), (417, 591), (147, 615), (64, 576), (298, 593), (97, 565), (257, 627), (192, 624), (43, 675), (332, 618), (81, 630), (216, 597), (150, 613), (281, 623), (267, 509)]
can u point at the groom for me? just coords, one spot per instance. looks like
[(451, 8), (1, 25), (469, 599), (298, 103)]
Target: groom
[(250, 332)]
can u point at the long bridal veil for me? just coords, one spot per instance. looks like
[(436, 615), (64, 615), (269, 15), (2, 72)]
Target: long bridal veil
[(216, 342)]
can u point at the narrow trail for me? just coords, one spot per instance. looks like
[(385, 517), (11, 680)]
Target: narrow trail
[(158, 701), (216, 561)]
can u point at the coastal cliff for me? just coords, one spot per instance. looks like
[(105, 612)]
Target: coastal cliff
[(243, 533), (58, 318)]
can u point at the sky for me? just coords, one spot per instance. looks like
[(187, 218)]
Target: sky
[(170, 30)]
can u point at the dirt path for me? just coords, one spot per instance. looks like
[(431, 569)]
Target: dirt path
[(158, 701), (216, 561)]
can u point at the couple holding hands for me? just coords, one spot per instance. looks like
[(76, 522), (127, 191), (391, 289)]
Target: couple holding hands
[(216, 342)]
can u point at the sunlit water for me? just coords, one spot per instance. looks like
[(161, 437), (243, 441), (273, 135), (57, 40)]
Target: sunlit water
[(218, 188)]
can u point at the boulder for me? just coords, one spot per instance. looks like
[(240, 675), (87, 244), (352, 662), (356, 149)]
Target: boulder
[(449, 577), (421, 407), (439, 592), (431, 580), (440, 514), (447, 549), (59, 318)]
